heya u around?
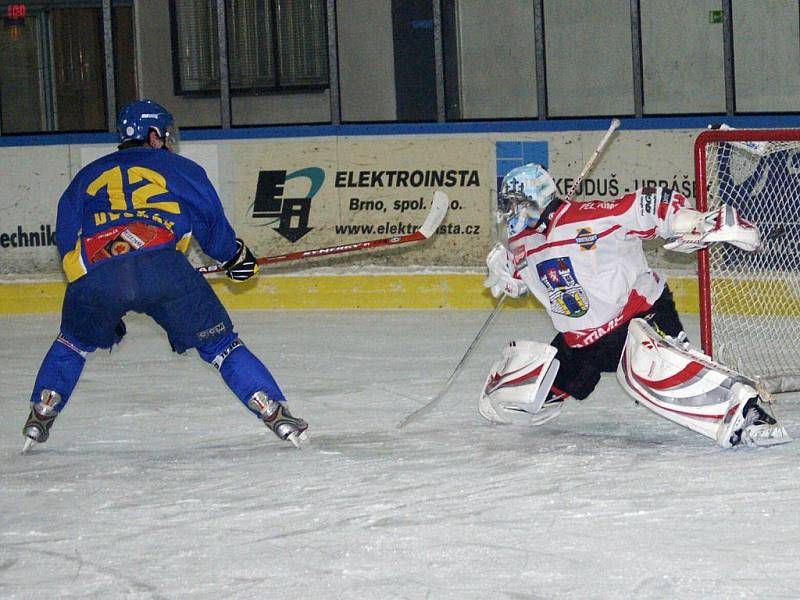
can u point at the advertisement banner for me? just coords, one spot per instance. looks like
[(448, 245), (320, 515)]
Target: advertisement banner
[(294, 194)]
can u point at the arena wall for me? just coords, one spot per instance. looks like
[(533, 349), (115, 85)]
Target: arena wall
[(299, 188)]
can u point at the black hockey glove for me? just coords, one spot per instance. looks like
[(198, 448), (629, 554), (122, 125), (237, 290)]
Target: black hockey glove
[(242, 266)]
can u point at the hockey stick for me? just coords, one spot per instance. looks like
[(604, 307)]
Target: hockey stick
[(615, 123), (433, 402), (428, 228), (438, 397)]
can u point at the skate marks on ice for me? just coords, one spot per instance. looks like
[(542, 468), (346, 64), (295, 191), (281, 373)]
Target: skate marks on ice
[(157, 494)]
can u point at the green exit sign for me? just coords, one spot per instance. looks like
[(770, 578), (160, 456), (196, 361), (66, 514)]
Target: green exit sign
[(715, 16)]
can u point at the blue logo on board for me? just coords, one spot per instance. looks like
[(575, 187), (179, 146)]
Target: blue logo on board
[(509, 155)]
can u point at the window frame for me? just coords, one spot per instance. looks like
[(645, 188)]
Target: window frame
[(258, 90), (41, 14)]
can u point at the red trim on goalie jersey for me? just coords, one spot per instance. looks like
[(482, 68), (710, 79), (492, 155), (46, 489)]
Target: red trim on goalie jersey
[(596, 209), (571, 240), (636, 305), (646, 234), (527, 232)]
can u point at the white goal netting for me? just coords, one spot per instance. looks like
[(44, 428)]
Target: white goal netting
[(752, 316)]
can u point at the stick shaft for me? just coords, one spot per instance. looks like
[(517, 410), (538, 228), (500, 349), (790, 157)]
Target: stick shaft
[(428, 228), (438, 397), (593, 158), (317, 252)]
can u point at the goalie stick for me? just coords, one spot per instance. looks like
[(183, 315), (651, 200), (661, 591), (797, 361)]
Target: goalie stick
[(615, 123), (435, 216), (438, 397), (433, 402)]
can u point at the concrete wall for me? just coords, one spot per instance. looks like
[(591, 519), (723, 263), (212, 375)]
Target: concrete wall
[(497, 66), (680, 76), (366, 60), (589, 64)]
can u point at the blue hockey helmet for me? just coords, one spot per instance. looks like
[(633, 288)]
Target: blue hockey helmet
[(140, 116)]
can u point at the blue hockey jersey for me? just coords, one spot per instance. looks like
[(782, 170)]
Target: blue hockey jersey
[(136, 200)]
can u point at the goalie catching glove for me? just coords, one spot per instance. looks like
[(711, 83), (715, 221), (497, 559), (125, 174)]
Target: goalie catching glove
[(696, 230), (501, 274), (242, 266)]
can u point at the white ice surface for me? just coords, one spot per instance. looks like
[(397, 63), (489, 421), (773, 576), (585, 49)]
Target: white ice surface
[(157, 483)]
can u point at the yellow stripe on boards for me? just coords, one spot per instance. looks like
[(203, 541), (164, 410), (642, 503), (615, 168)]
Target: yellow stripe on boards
[(27, 298), (752, 297), (328, 292)]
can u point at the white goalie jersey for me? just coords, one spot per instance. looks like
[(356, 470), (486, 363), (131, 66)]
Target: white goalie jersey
[(588, 266)]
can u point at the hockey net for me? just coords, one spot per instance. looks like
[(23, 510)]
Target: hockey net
[(750, 301)]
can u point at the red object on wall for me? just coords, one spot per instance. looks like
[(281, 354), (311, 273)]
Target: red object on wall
[(15, 12)]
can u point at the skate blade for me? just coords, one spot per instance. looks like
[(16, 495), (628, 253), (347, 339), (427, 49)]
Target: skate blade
[(765, 435), (29, 443), (298, 439)]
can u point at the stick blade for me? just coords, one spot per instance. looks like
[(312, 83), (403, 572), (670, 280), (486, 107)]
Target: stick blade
[(436, 215), (423, 410)]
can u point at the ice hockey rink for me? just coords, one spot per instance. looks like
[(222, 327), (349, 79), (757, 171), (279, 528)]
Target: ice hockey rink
[(156, 483)]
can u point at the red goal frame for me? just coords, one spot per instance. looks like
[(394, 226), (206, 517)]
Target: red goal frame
[(701, 203)]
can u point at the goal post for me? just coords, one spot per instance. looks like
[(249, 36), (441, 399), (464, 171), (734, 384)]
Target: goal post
[(750, 301)]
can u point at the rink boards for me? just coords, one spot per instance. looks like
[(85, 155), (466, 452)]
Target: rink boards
[(402, 291)]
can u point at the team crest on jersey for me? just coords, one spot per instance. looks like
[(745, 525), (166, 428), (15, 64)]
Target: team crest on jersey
[(567, 296), (586, 239)]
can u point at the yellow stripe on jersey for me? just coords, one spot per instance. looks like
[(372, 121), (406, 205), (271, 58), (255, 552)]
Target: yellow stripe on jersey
[(72, 263), (183, 243)]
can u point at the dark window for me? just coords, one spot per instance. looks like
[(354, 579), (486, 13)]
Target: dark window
[(20, 80), (78, 69), (272, 45), (53, 75)]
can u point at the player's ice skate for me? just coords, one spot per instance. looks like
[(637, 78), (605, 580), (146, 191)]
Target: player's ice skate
[(284, 425), (280, 421), (37, 426), (36, 429), (749, 422)]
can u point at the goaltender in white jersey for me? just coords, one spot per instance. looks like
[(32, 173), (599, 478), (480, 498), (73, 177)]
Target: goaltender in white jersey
[(585, 263)]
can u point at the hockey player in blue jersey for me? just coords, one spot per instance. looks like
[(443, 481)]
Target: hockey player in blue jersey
[(123, 225)]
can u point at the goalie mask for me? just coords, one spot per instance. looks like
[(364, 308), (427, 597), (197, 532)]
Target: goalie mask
[(523, 195)]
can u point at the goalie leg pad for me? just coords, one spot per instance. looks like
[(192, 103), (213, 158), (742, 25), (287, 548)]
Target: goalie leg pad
[(688, 388), (517, 389)]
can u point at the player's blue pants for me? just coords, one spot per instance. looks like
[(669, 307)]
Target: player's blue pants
[(163, 285)]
